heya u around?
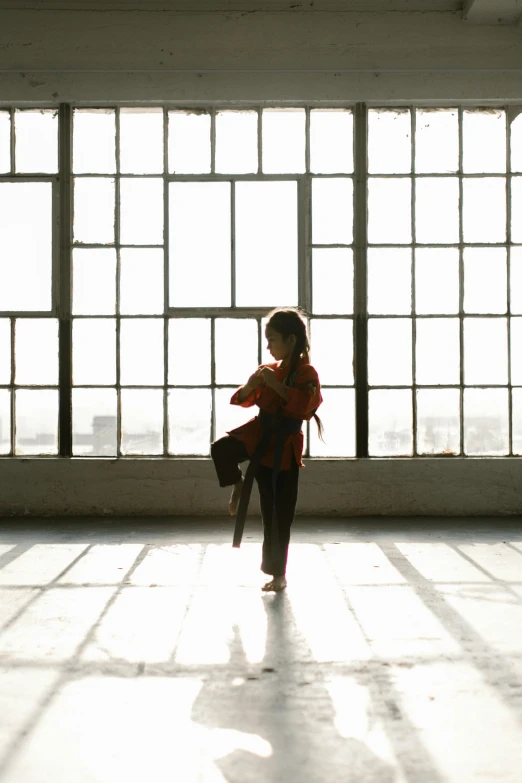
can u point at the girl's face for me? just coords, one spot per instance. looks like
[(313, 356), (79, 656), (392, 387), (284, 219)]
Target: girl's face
[(280, 347)]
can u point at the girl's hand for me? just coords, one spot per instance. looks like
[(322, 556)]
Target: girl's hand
[(269, 376), (256, 379)]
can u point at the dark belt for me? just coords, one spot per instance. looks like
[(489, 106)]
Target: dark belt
[(280, 426)]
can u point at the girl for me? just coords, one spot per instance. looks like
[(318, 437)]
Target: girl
[(286, 392)]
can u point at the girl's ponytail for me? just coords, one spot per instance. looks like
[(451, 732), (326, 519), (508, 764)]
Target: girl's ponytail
[(287, 321)]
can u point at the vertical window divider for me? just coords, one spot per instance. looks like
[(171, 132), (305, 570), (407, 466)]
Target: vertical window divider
[(307, 140), (118, 317), (413, 117), (259, 141), (233, 243), (259, 339), (12, 141), (213, 140), (461, 280), (360, 278), (304, 227), (304, 246), (13, 393), (508, 276), (64, 304), (212, 379), (165, 281), (304, 233)]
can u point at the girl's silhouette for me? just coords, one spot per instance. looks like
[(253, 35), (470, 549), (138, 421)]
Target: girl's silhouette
[(287, 392)]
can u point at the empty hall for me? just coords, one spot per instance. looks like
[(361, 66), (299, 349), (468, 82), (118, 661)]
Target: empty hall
[(260, 391)]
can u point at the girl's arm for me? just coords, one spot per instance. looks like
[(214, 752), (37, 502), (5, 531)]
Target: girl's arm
[(247, 395), (303, 400)]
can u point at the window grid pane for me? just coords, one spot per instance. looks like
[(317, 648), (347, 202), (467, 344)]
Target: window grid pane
[(459, 228), (463, 268)]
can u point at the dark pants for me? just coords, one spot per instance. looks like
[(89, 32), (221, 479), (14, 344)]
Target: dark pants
[(227, 453)]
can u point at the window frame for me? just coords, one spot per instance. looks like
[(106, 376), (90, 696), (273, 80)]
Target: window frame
[(63, 245)]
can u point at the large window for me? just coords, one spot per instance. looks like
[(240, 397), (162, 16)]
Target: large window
[(128, 317), (443, 290), (28, 300)]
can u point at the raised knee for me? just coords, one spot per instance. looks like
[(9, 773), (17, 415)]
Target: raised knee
[(215, 447)]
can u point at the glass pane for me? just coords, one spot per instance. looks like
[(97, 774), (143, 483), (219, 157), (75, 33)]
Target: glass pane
[(486, 428), (236, 350), (436, 141), (338, 416), (389, 281), (266, 244), (390, 423), (516, 209), (389, 352), (94, 351), (5, 421), (389, 141), (229, 416), (141, 211), (141, 141), (515, 270), (327, 265), (389, 211), (331, 141), (5, 142), (438, 351), (436, 281), (189, 142), (516, 403), (36, 421), (95, 422), (438, 421), (5, 351), (26, 231), (516, 142), (200, 245), (516, 351), (141, 281), (142, 421), (189, 421), (236, 142), (335, 368), (283, 141), (332, 211), (36, 145), (94, 210), (189, 351), (142, 352), (94, 141), (36, 351), (485, 351), (484, 209), (437, 210), (94, 281), (484, 141), (485, 280)]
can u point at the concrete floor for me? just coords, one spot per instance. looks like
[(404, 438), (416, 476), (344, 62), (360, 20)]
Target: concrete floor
[(143, 650)]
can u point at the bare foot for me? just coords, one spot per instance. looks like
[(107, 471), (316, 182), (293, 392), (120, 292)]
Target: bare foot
[(234, 498), (275, 584)]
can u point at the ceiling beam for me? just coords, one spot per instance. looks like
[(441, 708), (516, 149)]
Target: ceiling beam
[(492, 11)]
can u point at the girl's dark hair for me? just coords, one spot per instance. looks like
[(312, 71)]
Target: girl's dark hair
[(287, 321)]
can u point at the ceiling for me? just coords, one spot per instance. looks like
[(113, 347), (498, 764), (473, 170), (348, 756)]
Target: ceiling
[(240, 5)]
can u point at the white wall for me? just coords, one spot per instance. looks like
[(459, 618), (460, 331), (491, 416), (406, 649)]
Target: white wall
[(280, 56)]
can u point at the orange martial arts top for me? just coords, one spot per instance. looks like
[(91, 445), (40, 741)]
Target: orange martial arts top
[(303, 401)]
